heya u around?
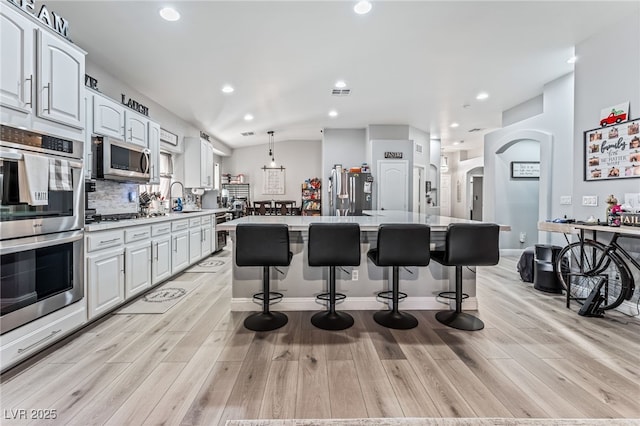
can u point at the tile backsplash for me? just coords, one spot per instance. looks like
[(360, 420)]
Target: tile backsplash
[(113, 197)]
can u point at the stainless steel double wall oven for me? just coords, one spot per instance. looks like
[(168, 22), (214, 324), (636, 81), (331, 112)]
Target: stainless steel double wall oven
[(41, 247)]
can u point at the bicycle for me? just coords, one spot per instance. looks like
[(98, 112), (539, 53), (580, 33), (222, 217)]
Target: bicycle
[(595, 274)]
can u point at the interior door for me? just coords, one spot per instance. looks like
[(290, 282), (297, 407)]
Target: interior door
[(476, 202), (393, 185)]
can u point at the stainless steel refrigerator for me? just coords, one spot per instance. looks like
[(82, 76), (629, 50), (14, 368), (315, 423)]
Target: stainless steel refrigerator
[(349, 192)]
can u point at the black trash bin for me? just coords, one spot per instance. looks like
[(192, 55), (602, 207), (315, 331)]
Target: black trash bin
[(526, 264), (544, 276)]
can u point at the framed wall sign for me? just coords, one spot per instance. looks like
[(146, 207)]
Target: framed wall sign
[(525, 169), (273, 180), (612, 152), (168, 137)]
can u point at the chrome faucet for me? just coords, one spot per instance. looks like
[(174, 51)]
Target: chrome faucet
[(171, 194)]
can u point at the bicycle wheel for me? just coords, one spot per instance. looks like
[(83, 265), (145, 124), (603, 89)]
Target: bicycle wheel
[(583, 267)]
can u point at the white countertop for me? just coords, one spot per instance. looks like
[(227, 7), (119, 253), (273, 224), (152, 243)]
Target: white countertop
[(370, 222), (102, 226)]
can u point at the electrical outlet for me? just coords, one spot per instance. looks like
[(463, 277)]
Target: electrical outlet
[(590, 200), (565, 200), (354, 275), (523, 237)]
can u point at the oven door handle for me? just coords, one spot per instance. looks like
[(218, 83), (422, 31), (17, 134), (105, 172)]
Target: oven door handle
[(7, 155), (31, 243)]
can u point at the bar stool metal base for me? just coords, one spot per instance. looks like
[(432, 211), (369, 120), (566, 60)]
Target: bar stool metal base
[(265, 321), (328, 320), (397, 320), (460, 320)]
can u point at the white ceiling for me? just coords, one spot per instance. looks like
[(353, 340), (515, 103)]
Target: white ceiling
[(415, 62)]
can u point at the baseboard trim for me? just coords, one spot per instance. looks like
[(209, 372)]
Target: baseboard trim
[(243, 304)]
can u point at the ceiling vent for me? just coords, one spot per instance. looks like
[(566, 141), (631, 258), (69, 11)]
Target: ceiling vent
[(340, 92), (247, 133), (475, 129)]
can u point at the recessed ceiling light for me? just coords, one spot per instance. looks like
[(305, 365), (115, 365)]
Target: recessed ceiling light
[(454, 125), (227, 89), (572, 60), (362, 7), (248, 117), (333, 113), (456, 143), (482, 96), (340, 84), (169, 14)]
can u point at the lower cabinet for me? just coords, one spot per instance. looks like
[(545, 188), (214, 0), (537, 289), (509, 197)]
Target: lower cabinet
[(137, 269), (161, 260), (105, 273), (207, 241), (180, 252), (195, 244)]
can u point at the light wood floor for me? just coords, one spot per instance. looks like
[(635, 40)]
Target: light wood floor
[(196, 364)]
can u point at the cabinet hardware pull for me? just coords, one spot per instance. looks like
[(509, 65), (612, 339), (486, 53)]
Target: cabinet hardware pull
[(140, 234), (131, 133), (124, 262), (53, 333), (109, 241), (48, 108), (30, 80), (175, 244), (157, 248)]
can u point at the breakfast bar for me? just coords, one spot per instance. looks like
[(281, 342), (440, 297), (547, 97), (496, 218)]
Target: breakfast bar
[(300, 283)]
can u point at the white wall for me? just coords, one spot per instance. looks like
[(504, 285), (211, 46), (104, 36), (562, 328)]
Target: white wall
[(301, 160), (554, 130), (458, 170), (522, 111), (607, 73)]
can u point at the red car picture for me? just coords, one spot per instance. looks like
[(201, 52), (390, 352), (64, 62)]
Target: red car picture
[(614, 117)]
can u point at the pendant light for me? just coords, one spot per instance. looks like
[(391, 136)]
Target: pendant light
[(272, 148)]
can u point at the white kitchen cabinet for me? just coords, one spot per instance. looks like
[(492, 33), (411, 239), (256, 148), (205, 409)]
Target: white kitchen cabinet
[(154, 148), (198, 167), (108, 117), (60, 81), (161, 260), (88, 120), (180, 252), (137, 265), (136, 128), (16, 68), (207, 236), (195, 240), (105, 281), (40, 73)]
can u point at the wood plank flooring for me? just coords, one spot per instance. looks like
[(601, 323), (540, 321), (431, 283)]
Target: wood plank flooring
[(196, 364)]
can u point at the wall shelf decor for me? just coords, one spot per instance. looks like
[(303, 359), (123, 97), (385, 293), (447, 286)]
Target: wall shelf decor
[(612, 152)]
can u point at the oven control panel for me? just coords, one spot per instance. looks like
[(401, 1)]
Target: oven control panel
[(36, 140)]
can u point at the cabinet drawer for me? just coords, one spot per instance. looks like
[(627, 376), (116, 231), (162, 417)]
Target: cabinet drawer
[(161, 229), (194, 222), (102, 240), (52, 329), (179, 225), (205, 220), (137, 234)]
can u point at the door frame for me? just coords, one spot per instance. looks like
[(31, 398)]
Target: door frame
[(422, 196)]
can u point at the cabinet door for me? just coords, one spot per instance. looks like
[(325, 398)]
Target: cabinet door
[(207, 248), (209, 166), (16, 67), (204, 155), (161, 262), (195, 245), (154, 147), (180, 252), (136, 128), (88, 120), (108, 117), (60, 81), (137, 268), (106, 281)]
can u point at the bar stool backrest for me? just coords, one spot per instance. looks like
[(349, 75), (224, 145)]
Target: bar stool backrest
[(334, 244), (403, 245), (262, 244), (472, 244)]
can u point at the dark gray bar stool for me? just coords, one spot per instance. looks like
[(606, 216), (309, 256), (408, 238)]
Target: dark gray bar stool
[(467, 244), (263, 245), (333, 244), (399, 245)]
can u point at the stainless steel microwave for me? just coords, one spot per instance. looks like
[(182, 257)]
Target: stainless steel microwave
[(118, 160)]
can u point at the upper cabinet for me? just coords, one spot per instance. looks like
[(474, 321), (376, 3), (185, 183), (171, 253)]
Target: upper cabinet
[(198, 167), (41, 77), (154, 148), (115, 120)]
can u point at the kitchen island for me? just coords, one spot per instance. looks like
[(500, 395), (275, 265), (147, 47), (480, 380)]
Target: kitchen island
[(300, 283)]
